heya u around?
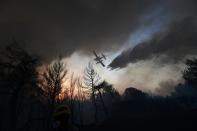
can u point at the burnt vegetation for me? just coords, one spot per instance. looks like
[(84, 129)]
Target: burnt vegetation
[(31, 88)]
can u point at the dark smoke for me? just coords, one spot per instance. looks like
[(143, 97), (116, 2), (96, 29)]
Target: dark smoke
[(177, 43), (64, 26), (61, 27)]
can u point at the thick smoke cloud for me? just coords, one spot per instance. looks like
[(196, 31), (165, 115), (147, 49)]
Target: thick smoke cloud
[(52, 27), (176, 44), (151, 76)]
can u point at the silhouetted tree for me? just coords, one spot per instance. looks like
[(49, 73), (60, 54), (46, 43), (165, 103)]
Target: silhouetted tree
[(109, 89), (190, 73), (71, 90), (51, 82), (81, 99), (91, 79), (99, 88), (133, 94), (19, 76)]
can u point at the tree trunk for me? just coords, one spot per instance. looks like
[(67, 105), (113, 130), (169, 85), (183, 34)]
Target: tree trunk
[(103, 104), (95, 106), (94, 101)]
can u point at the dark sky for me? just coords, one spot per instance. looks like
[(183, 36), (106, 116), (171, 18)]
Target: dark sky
[(51, 27)]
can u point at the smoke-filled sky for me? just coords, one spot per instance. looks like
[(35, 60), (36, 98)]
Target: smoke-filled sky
[(146, 41)]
